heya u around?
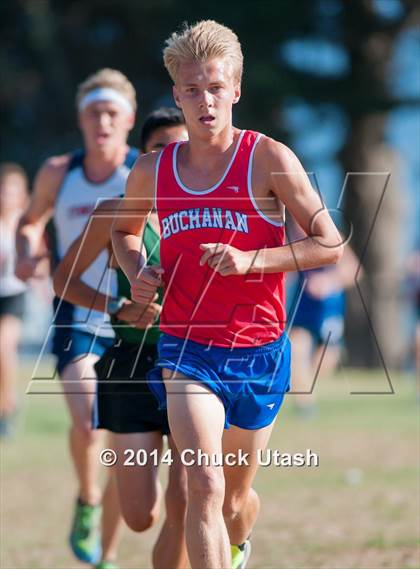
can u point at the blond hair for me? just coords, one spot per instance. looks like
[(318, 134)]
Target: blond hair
[(108, 78), (200, 42)]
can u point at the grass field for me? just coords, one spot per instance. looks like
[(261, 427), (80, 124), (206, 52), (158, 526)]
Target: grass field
[(358, 510)]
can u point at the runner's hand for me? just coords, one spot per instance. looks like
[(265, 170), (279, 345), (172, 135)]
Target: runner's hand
[(225, 259), (31, 267), (144, 288), (139, 315)]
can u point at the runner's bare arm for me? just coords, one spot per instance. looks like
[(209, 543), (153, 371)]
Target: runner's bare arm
[(68, 283), (278, 171), (84, 250), (288, 181), (128, 227), (31, 227)]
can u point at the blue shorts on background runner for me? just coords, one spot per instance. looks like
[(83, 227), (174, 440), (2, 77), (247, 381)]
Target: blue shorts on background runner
[(70, 342), (250, 382), (322, 317)]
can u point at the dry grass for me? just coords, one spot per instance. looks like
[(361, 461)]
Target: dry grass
[(358, 510)]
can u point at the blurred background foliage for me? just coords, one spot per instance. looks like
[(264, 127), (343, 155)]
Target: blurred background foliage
[(337, 80)]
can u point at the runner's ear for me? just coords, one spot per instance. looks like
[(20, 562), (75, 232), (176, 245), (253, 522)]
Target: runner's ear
[(237, 93)]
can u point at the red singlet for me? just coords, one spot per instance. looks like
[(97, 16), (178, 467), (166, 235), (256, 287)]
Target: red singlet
[(200, 304)]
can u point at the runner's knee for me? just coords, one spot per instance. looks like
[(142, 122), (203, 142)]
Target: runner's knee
[(206, 484), (82, 429), (234, 503)]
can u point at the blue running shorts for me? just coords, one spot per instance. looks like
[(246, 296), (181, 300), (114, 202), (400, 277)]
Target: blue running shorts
[(323, 318), (69, 342), (250, 382)]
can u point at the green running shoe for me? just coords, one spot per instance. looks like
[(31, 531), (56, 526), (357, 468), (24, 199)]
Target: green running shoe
[(85, 539), (106, 565), (240, 554)]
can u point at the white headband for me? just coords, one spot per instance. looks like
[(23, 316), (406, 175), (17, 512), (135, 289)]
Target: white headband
[(105, 94)]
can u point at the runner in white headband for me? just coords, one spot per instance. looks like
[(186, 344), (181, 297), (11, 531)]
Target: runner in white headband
[(105, 94)]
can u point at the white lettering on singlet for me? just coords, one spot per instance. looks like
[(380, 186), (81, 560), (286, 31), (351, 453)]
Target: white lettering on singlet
[(217, 217), (206, 221), (184, 226), (195, 218), (230, 224), (194, 215), (241, 222)]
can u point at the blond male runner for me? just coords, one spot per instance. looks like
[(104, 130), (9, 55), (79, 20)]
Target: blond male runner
[(223, 354), (67, 189), (124, 404)]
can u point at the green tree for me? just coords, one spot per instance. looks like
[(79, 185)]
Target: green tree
[(47, 47)]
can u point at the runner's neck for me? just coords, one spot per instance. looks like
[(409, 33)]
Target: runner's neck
[(100, 166), (207, 157)]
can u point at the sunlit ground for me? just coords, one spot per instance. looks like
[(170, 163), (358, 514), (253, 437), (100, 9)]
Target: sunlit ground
[(359, 509)]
